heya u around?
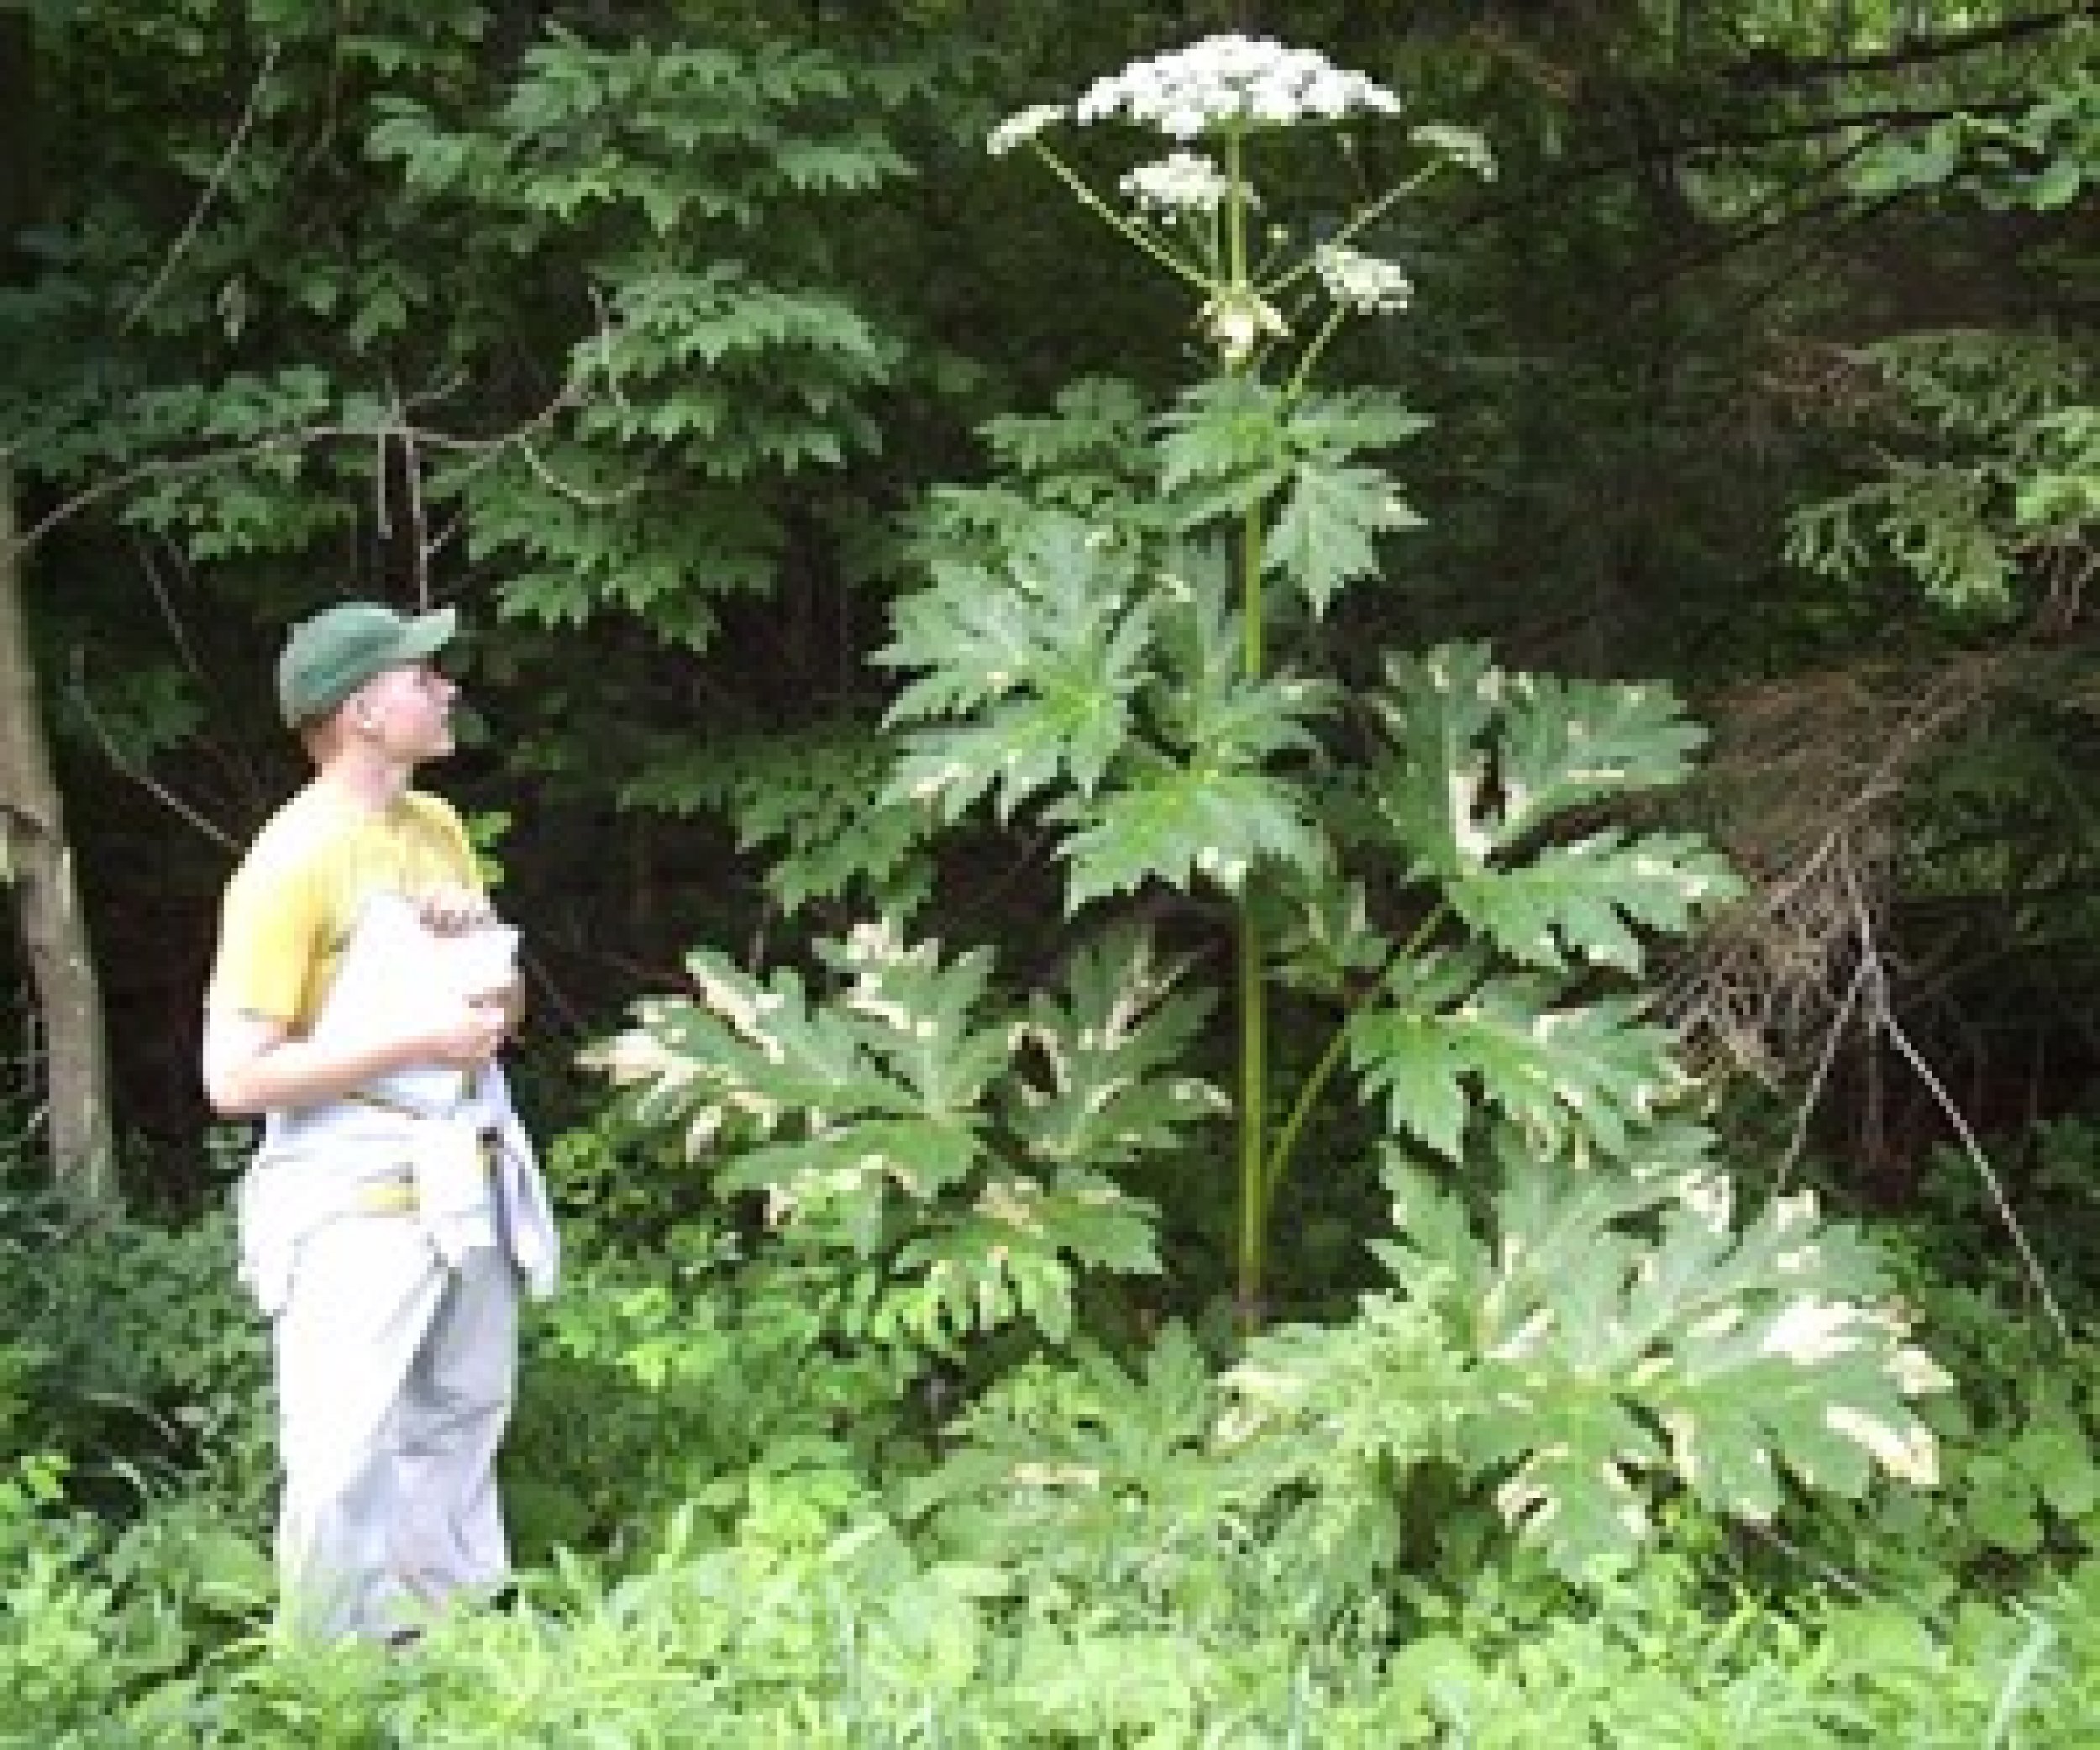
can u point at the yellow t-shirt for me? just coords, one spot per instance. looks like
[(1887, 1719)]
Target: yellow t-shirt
[(290, 907)]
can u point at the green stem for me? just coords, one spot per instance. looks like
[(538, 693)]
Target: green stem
[(1301, 1108), (1137, 235), (1253, 1205), (1280, 1157), (1254, 997), (1313, 347), (1399, 190)]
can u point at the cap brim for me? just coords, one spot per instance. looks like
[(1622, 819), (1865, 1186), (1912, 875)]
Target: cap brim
[(426, 634)]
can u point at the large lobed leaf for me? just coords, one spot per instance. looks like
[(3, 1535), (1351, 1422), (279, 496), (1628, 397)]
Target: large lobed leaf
[(1013, 1252), (1573, 1075), (1040, 657), (1109, 1089), (1622, 1328), (1586, 900), (1234, 445), (1078, 1466), (1325, 534), (914, 1119), (1208, 799), (1484, 762), (1174, 823)]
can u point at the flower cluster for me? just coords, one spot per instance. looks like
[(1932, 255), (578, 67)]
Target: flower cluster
[(1232, 80), (1237, 320), (1180, 182), (1462, 146), (1361, 282), (1017, 130)]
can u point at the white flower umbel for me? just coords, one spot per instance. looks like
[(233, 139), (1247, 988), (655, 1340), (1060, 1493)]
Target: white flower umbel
[(1192, 211), (1231, 81), (1181, 184), (1363, 283)]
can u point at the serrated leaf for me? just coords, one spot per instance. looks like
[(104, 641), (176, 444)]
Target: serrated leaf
[(1044, 654), (1437, 709), (1325, 536), (1107, 1088), (1483, 762), (1175, 823), (887, 1119), (1333, 426), (1419, 1065), (899, 1045), (844, 1177), (1576, 900), (1483, 758), (1564, 743), (1321, 935), (740, 1057), (1209, 707), (1014, 751), (1072, 1464), (1574, 1494), (1017, 1248), (1620, 1307), (1230, 436), (915, 1014), (1568, 1074), (975, 640), (1096, 422)]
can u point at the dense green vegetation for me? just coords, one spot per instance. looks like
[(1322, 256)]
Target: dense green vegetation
[(1304, 836)]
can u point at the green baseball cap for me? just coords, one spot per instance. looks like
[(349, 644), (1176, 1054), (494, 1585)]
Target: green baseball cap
[(328, 656)]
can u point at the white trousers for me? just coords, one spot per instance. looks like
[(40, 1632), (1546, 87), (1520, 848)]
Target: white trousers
[(395, 1372)]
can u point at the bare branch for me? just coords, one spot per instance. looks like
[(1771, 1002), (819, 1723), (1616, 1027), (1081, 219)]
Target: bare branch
[(1763, 71), (77, 689), (1814, 771), (486, 450), (1886, 1023), (195, 220)]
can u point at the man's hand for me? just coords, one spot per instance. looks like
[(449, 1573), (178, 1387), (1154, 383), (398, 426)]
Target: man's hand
[(454, 911), (469, 1036)]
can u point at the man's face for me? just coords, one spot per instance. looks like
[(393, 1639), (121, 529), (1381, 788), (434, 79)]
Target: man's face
[(406, 712)]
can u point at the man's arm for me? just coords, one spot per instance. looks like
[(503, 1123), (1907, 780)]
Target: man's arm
[(254, 1064)]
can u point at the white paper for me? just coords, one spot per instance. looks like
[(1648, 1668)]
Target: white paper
[(395, 973)]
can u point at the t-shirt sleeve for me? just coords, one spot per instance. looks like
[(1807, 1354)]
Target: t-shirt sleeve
[(271, 930)]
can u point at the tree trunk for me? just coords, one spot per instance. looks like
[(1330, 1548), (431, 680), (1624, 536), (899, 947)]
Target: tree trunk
[(36, 860)]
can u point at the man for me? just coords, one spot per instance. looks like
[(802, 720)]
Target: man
[(394, 1199)]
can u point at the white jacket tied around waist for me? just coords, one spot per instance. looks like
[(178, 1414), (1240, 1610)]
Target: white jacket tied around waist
[(472, 1175)]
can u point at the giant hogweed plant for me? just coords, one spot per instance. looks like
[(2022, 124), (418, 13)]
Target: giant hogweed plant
[(1092, 654), (1095, 647)]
